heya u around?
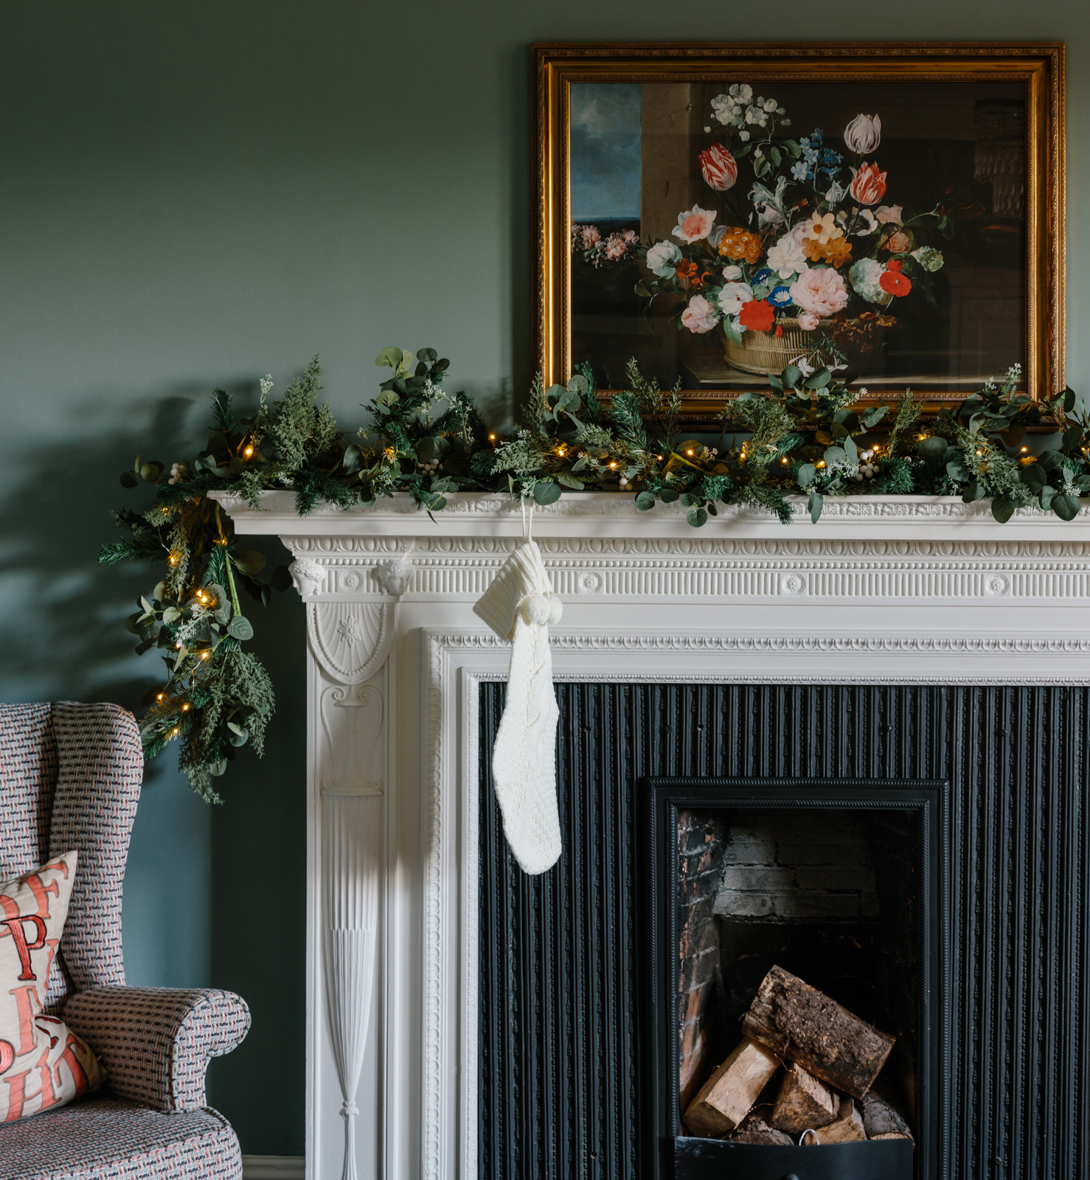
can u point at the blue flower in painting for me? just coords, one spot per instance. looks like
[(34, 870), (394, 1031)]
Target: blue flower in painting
[(761, 275), (779, 296), (800, 171), (811, 155), (830, 162)]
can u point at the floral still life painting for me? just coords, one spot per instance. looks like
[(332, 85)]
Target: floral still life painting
[(889, 227), (810, 261)]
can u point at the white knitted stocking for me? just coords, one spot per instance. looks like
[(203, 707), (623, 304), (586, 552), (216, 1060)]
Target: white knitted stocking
[(519, 605), (524, 757)]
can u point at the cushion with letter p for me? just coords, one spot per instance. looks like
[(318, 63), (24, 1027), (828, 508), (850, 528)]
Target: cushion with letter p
[(42, 1063)]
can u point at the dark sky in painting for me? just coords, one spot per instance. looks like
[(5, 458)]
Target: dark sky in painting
[(605, 151)]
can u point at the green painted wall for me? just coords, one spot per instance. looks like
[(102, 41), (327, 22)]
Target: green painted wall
[(200, 193)]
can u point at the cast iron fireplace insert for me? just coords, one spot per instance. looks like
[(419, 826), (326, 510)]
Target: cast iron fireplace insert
[(906, 831)]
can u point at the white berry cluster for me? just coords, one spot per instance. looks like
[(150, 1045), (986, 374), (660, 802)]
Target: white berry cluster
[(178, 472), (868, 469), (429, 468)]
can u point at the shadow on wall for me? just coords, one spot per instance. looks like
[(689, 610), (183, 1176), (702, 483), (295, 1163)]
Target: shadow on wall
[(213, 895)]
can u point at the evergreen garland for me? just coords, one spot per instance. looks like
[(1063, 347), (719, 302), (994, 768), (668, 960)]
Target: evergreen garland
[(805, 435)]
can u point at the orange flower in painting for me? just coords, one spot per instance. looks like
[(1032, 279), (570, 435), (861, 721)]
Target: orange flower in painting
[(740, 244), (814, 250), (838, 251)]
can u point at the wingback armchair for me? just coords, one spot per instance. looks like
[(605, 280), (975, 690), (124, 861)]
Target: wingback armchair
[(70, 777)]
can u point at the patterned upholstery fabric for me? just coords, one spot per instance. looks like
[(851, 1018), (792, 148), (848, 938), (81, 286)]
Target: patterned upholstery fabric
[(70, 777), (28, 775), (100, 768), (157, 1041), (113, 1139)]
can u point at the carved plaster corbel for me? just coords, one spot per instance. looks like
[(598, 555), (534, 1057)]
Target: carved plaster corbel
[(351, 641), (394, 576), (307, 575)]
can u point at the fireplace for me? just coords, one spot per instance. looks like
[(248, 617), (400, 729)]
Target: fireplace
[(837, 881), (475, 1023)]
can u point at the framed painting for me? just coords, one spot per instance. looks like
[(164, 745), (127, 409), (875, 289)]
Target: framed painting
[(716, 212)]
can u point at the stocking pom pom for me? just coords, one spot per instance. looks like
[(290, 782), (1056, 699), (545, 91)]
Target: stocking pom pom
[(537, 609)]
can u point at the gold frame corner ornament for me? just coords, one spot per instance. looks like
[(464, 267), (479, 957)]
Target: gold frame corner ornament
[(1039, 65)]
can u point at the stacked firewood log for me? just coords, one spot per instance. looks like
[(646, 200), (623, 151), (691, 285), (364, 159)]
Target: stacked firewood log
[(829, 1058)]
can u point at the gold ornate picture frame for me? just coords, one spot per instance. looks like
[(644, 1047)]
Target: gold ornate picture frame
[(910, 198)]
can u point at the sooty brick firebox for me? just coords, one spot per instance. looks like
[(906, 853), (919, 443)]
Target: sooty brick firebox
[(839, 882), (778, 885)]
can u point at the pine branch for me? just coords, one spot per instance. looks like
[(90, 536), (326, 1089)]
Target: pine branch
[(626, 411), (221, 410)]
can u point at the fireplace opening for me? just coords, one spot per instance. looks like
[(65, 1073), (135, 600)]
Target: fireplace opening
[(795, 928)]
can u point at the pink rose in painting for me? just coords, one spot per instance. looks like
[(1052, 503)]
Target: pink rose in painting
[(590, 236), (615, 246), (695, 224), (889, 214), (897, 243), (820, 292), (719, 167), (869, 185), (630, 236), (808, 322), (698, 316)]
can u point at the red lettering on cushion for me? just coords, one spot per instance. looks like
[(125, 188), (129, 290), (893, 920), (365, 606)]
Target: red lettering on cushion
[(51, 950), (7, 1055), (17, 1088), (27, 1000), (15, 928), (78, 1074), (41, 891)]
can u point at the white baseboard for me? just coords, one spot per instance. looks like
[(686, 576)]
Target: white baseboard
[(274, 1167)]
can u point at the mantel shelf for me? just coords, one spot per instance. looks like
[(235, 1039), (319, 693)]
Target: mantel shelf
[(614, 515)]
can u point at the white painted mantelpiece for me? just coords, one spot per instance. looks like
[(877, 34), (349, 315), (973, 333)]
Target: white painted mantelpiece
[(881, 590)]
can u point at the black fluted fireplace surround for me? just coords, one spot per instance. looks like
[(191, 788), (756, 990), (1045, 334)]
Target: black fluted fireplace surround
[(972, 800)]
